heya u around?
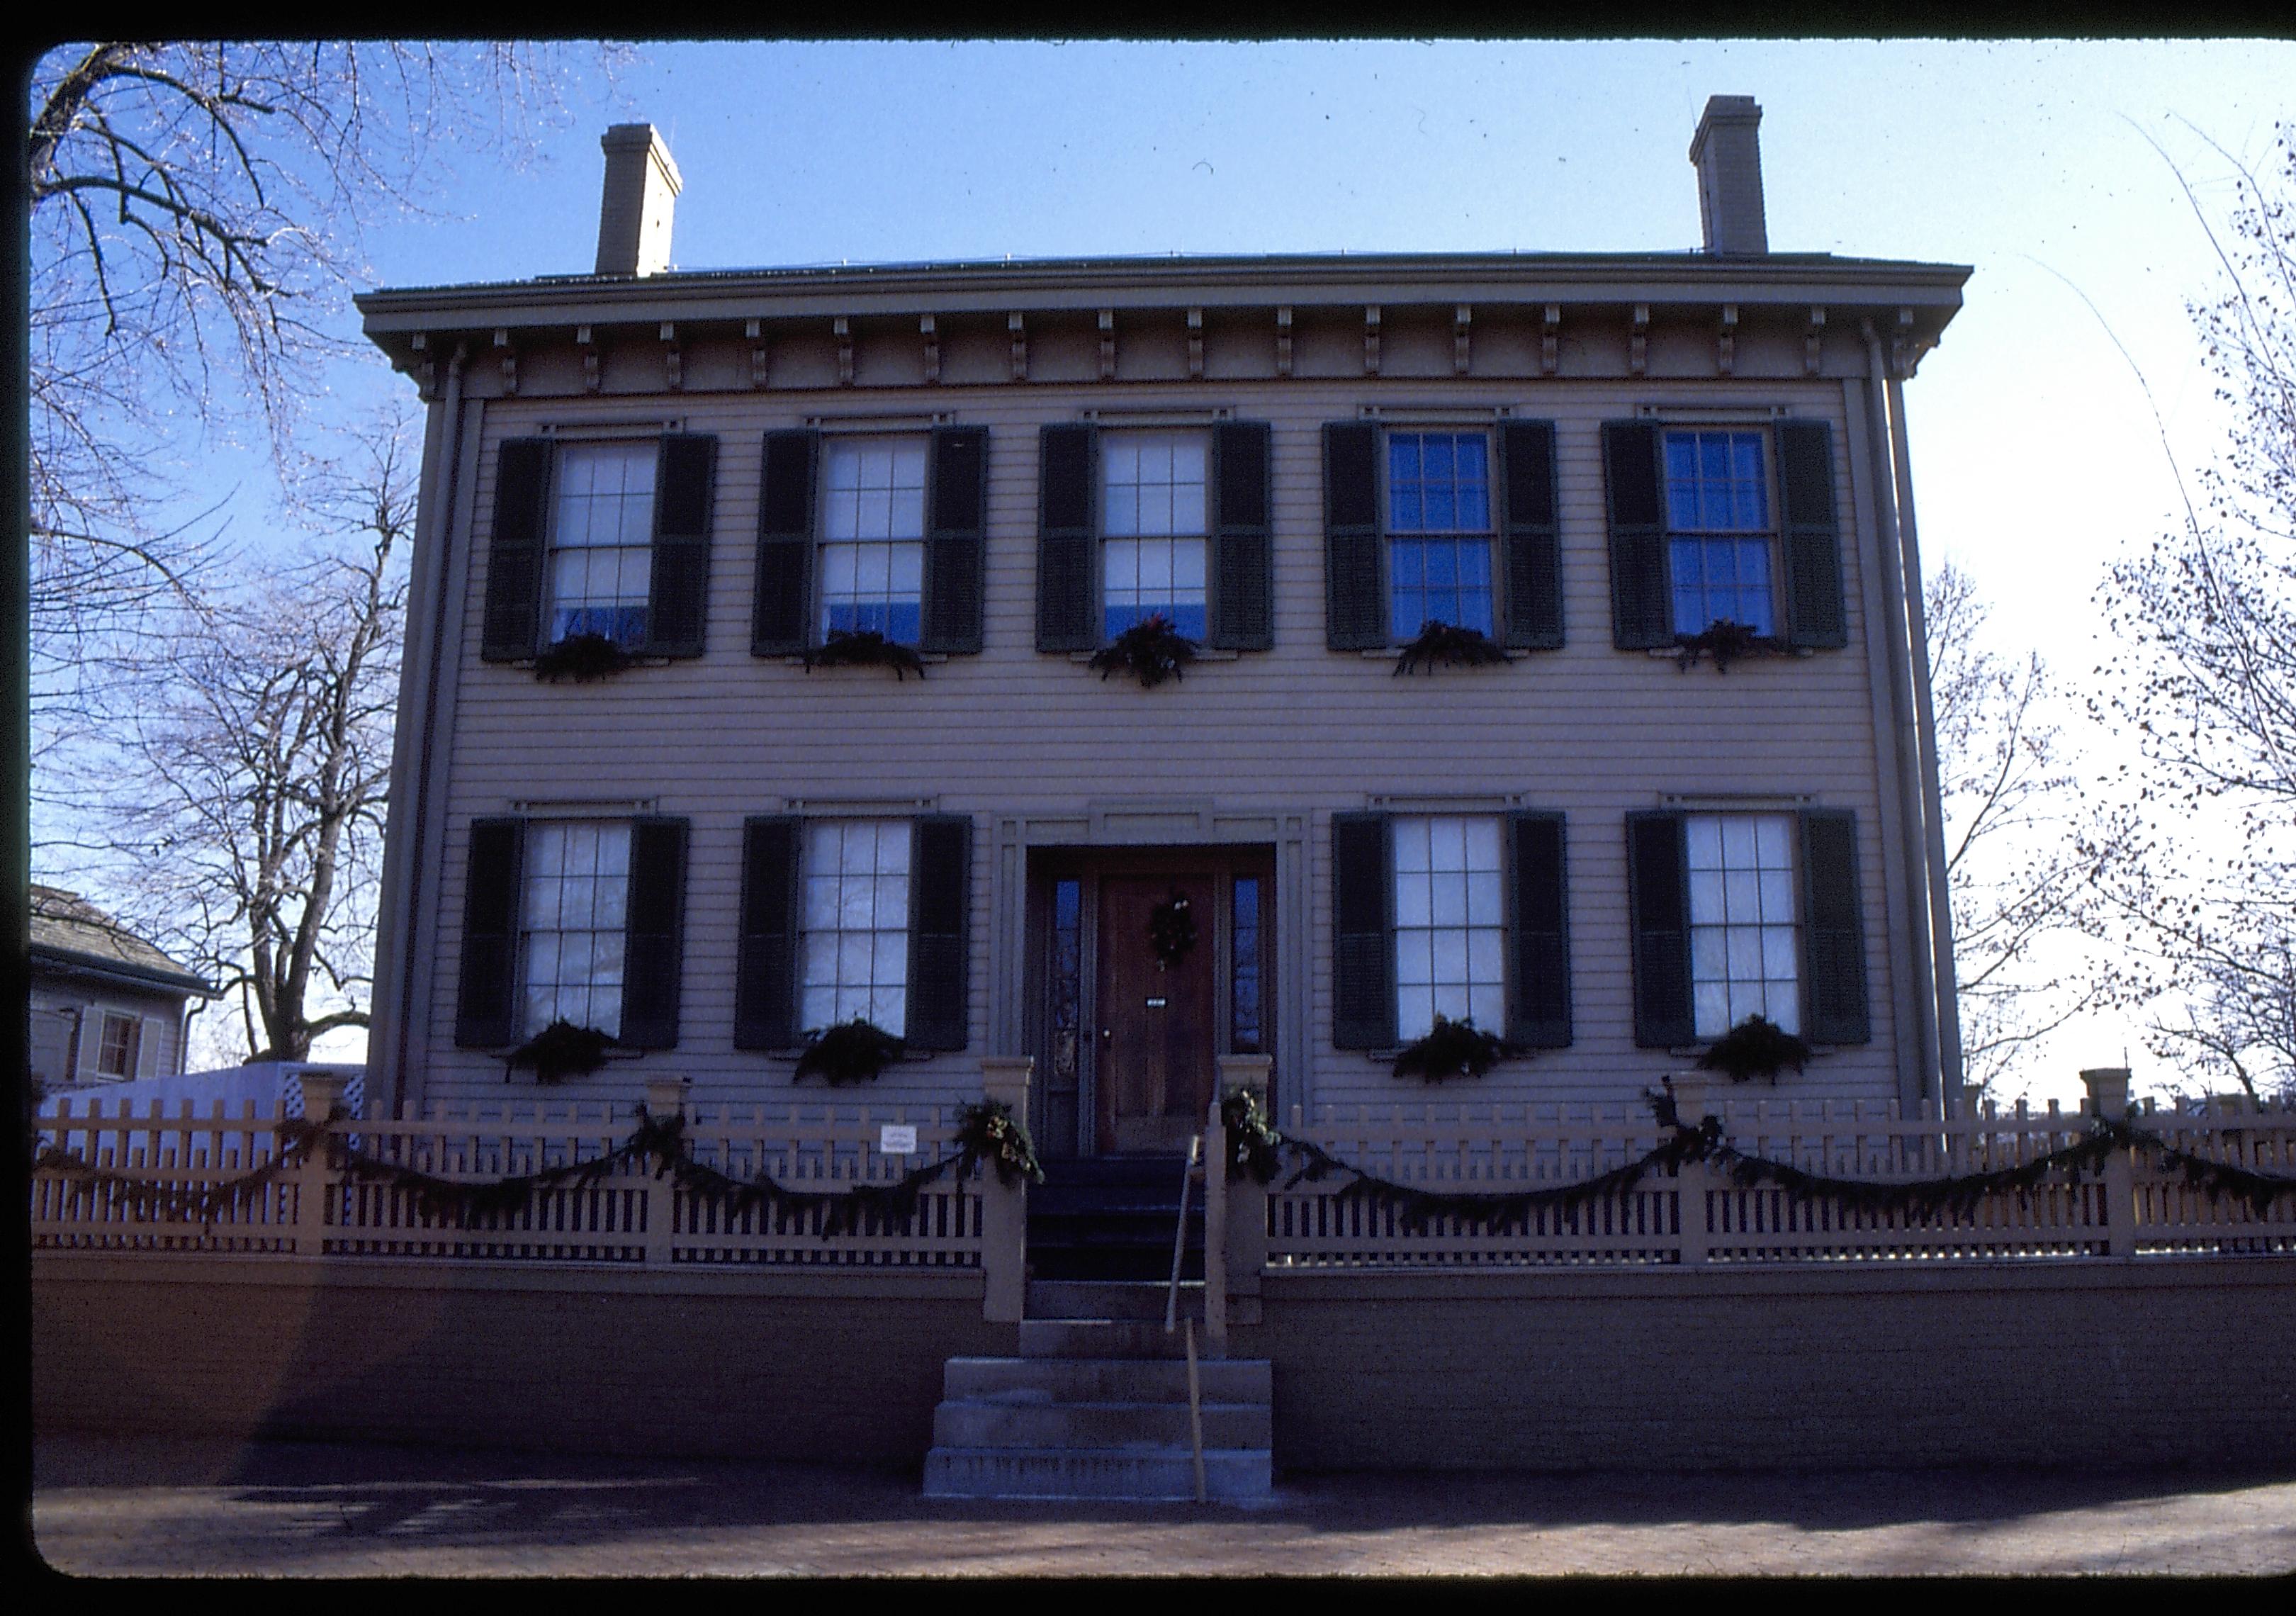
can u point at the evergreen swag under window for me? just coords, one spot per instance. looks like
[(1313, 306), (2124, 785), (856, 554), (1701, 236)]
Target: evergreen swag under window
[(1756, 1047), (561, 1050), (1445, 645), (1452, 1049), (863, 648), (1152, 650), (1723, 641), (851, 1052), (582, 658)]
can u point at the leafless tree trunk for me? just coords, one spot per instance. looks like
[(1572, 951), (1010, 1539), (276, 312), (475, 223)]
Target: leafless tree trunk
[(259, 762)]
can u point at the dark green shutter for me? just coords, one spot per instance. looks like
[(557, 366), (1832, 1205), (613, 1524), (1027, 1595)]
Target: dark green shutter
[(515, 550), (1068, 607), (655, 935), (1362, 933), (782, 619), (1659, 904), (679, 609), (1243, 603), (941, 900), (1534, 560), (1355, 596), (485, 1004), (1539, 1009), (1834, 929), (955, 540), (1815, 615), (1642, 612), (765, 971)]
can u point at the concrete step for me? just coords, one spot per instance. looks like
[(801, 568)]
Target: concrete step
[(1098, 1426), (1122, 1380), (1100, 1338), (1036, 1473), (1141, 1300)]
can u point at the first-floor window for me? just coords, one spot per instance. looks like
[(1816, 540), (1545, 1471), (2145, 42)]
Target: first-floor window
[(572, 924), (1154, 515), (1742, 959), (1450, 923), (116, 1054), (601, 541), (873, 528), (856, 924)]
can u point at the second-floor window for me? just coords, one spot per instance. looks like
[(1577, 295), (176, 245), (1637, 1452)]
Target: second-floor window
[(872, 532), (121, 1046), (1439, 525), (602, 542), (1154, 510), (1719, 527)]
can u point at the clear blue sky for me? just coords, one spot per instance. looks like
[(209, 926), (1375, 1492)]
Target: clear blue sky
[(2035, 454)]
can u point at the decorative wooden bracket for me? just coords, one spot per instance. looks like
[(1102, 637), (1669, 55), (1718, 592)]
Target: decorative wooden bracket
[(1726, 340), (1019, 327), (1638, 341), (1463, 318), (841, 327), (1283, 341), (761, 352), (1371, 340), (509, 356), (1550, 340), (586, 339), (1903, 354), (1108, 345), (426, 365), (1810, 341), (1195, 345), (931, 335), (673, 359)]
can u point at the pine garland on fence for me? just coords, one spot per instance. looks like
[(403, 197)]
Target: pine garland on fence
[(1257, 1148), (986, 1132)]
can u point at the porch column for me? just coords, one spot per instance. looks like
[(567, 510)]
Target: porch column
[(1244, 1246), (1005, 1209)]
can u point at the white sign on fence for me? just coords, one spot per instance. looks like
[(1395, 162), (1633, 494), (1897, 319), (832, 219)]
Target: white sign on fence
[(897, 1139)]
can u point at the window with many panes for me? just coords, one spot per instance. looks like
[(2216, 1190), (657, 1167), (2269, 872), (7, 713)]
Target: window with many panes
[(573, 915), (1451, 923), (601, 541), (1155, 518), (120, 1046), (873, 530), (855, 959), (1440, 531), (1718, 527), (1742, 956)]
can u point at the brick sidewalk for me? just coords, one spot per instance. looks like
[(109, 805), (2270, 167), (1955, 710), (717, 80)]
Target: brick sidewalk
[(104, 1507)]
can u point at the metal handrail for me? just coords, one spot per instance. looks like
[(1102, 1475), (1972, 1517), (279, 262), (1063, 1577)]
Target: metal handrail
[(1172, 1309)]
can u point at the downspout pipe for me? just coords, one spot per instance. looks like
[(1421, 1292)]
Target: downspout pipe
[(1913, 797), (408, 892), (1949, 1054)]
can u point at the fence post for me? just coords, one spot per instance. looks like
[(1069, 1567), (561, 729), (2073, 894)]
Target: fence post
[(664, 1097), (2108, 1099), (1242, 1249), (1693, 1180), (322, 1092), (1004, 1207)]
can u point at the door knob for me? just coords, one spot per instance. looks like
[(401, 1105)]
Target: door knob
[(1106, 1035)]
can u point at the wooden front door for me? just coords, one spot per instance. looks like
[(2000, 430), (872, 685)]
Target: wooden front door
[(1157, 1014)]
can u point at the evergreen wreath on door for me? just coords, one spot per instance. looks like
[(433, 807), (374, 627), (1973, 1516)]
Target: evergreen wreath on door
[(1171, 931)]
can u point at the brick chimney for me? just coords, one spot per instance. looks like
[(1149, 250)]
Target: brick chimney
[(641, 187), (1729, 151)]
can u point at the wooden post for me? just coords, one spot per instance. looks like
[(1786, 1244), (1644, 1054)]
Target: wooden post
[(1243, 1207), (1004, 1207), (664, 1097), (2108, 1100), (1692, 1105), (322, 1091)]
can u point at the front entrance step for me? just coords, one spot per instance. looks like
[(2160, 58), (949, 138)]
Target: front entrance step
[(1229, 1476), (1133, 1427), (1112, 1217), (1036, 1381), (1137, 1300)]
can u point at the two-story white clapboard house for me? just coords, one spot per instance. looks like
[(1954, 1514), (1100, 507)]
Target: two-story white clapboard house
[(1305, 847)]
